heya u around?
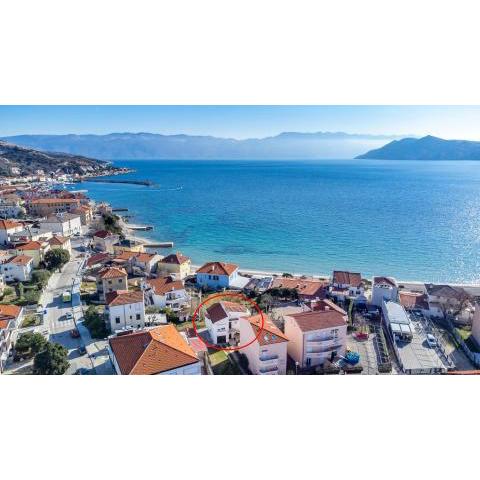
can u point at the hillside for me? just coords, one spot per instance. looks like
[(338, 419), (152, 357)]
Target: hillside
[(150, 146), (426, 148), (29, 161)]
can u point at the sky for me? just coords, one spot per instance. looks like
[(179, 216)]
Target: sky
[(451, 122)]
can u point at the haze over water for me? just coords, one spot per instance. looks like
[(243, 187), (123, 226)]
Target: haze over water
[(415, 220)]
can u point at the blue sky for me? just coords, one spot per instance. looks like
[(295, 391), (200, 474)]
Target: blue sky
[(462, 122)]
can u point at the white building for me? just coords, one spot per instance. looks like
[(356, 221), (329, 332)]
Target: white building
[(11, 206), (64, 224), (384, 288), (221, 320), (17, 268), (347, 285), (476, 324), (104, 241), (397, 320), (157, 351), (125, 309), (7, 229), (216, 275), (10, 318), (166, 292), (264, 345)]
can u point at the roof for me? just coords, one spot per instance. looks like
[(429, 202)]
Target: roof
[(220, 310), (42, 201), (347, 278), (163, 285), (123, 297), (58, 240), (103, 234), (325, 304), (270, 334), (83, 208), (125, 255), (8, 224), (319, 320), (9, 312), (144, 257), (33, 245), (310, 287), (59, 218), (112, 272), (20, 260), (446, 291), (175, 258), (98, 258), (150, 352), (413, 300), (396, 313), (385, 280), (218, 268)]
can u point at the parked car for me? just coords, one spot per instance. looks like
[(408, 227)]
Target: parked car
[(82, 371), (69, 316), (82, 350), (74, 333), (431, 340)]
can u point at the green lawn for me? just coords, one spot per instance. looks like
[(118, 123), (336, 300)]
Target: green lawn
[(464, 333), (221, 365), (31, 320)]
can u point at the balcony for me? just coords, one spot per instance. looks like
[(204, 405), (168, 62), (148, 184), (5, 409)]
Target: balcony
[(327, 349), (319, 339), (267, 358), (268, 370)]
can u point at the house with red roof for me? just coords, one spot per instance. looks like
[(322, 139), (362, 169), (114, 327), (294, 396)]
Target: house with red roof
[(167, 292), (347, 285), (316, 336), (216, 275), (103, 241), (265, 345), (221, 320), (10, 319), (17, 268), (157, 351), (35, 249), (307, 288), (384, 289), (175, 264), (125, 309), (111, 279), (8, 228)]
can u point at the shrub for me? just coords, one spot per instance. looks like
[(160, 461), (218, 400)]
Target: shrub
[(95, 323), (40, 277), (56, 258)]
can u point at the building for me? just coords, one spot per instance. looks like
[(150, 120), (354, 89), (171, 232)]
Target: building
[(317, 336), (111, 279), (128, 245), (384, 288), (167, 292), (11, 206), (30, 233), (136, 262), (65, 224), (446, 299), (10, 319), (398, 321), (85, 212), (64, 243), (175, 264), (347, 285), (221, 321), (476, 325), (42, 207), (103, 241), (307, 288), (216, 275), (35, 249), (267, 353), (17, 269), (413, 301), (125, 309), (7, 229), (157, 351), (98, 260)]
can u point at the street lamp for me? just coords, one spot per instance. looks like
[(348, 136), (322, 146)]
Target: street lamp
[(296, 368)]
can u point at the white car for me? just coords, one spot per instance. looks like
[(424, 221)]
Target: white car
[(431, 340)]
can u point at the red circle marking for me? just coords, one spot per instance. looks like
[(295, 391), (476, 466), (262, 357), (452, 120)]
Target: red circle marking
[(227, 294)]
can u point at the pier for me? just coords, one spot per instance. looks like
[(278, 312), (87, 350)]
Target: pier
[(142, 228), (159, 245)]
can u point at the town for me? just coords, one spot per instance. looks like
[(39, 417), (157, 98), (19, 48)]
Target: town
[(81, 294)]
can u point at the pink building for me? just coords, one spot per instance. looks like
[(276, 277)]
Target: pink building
[(316, 336), (267, 355)]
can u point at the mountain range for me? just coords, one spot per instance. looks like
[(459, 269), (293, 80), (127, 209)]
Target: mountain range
[(149, 146), (426, 148)]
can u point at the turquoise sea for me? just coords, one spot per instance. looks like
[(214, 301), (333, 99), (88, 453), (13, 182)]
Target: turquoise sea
[(414, 220)]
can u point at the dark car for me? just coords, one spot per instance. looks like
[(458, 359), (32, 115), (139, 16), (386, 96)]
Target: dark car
[(82, 371), (74, 333), (82, 350)]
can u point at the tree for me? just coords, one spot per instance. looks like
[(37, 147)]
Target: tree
[(95, 323), (287, 275), (110, 222), (52, 360), (21, 290), (56, 258), (30, 342), (40, 277)]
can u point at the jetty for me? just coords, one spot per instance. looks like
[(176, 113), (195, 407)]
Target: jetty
[(119, 209), (142, 228), (159, 245)]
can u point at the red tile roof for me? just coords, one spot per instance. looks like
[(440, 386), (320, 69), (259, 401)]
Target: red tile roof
[(308, 287), (175, 258), (319, 320), (218, 268), (123, 297), (98, 258), (384, 280), (34, 245), (103, 234), (325, 304), (9, 312), (150, 352), (47, 201), (220, 310), (271, 333), (9, 224), (347, 278), (413, 300), (163, 285), (21, 260), (58, 240), (112, 272)]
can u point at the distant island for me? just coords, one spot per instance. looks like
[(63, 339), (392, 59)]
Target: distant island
[(17, 161), (426, 148), (153, 146)]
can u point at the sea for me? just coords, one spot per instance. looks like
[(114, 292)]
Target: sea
[(414, 220)]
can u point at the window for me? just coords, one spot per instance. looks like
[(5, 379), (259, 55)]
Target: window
[(109, 282), (119, 280), (117, 319), (138, 316)]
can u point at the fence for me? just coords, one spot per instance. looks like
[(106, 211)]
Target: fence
[(474, 357)]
